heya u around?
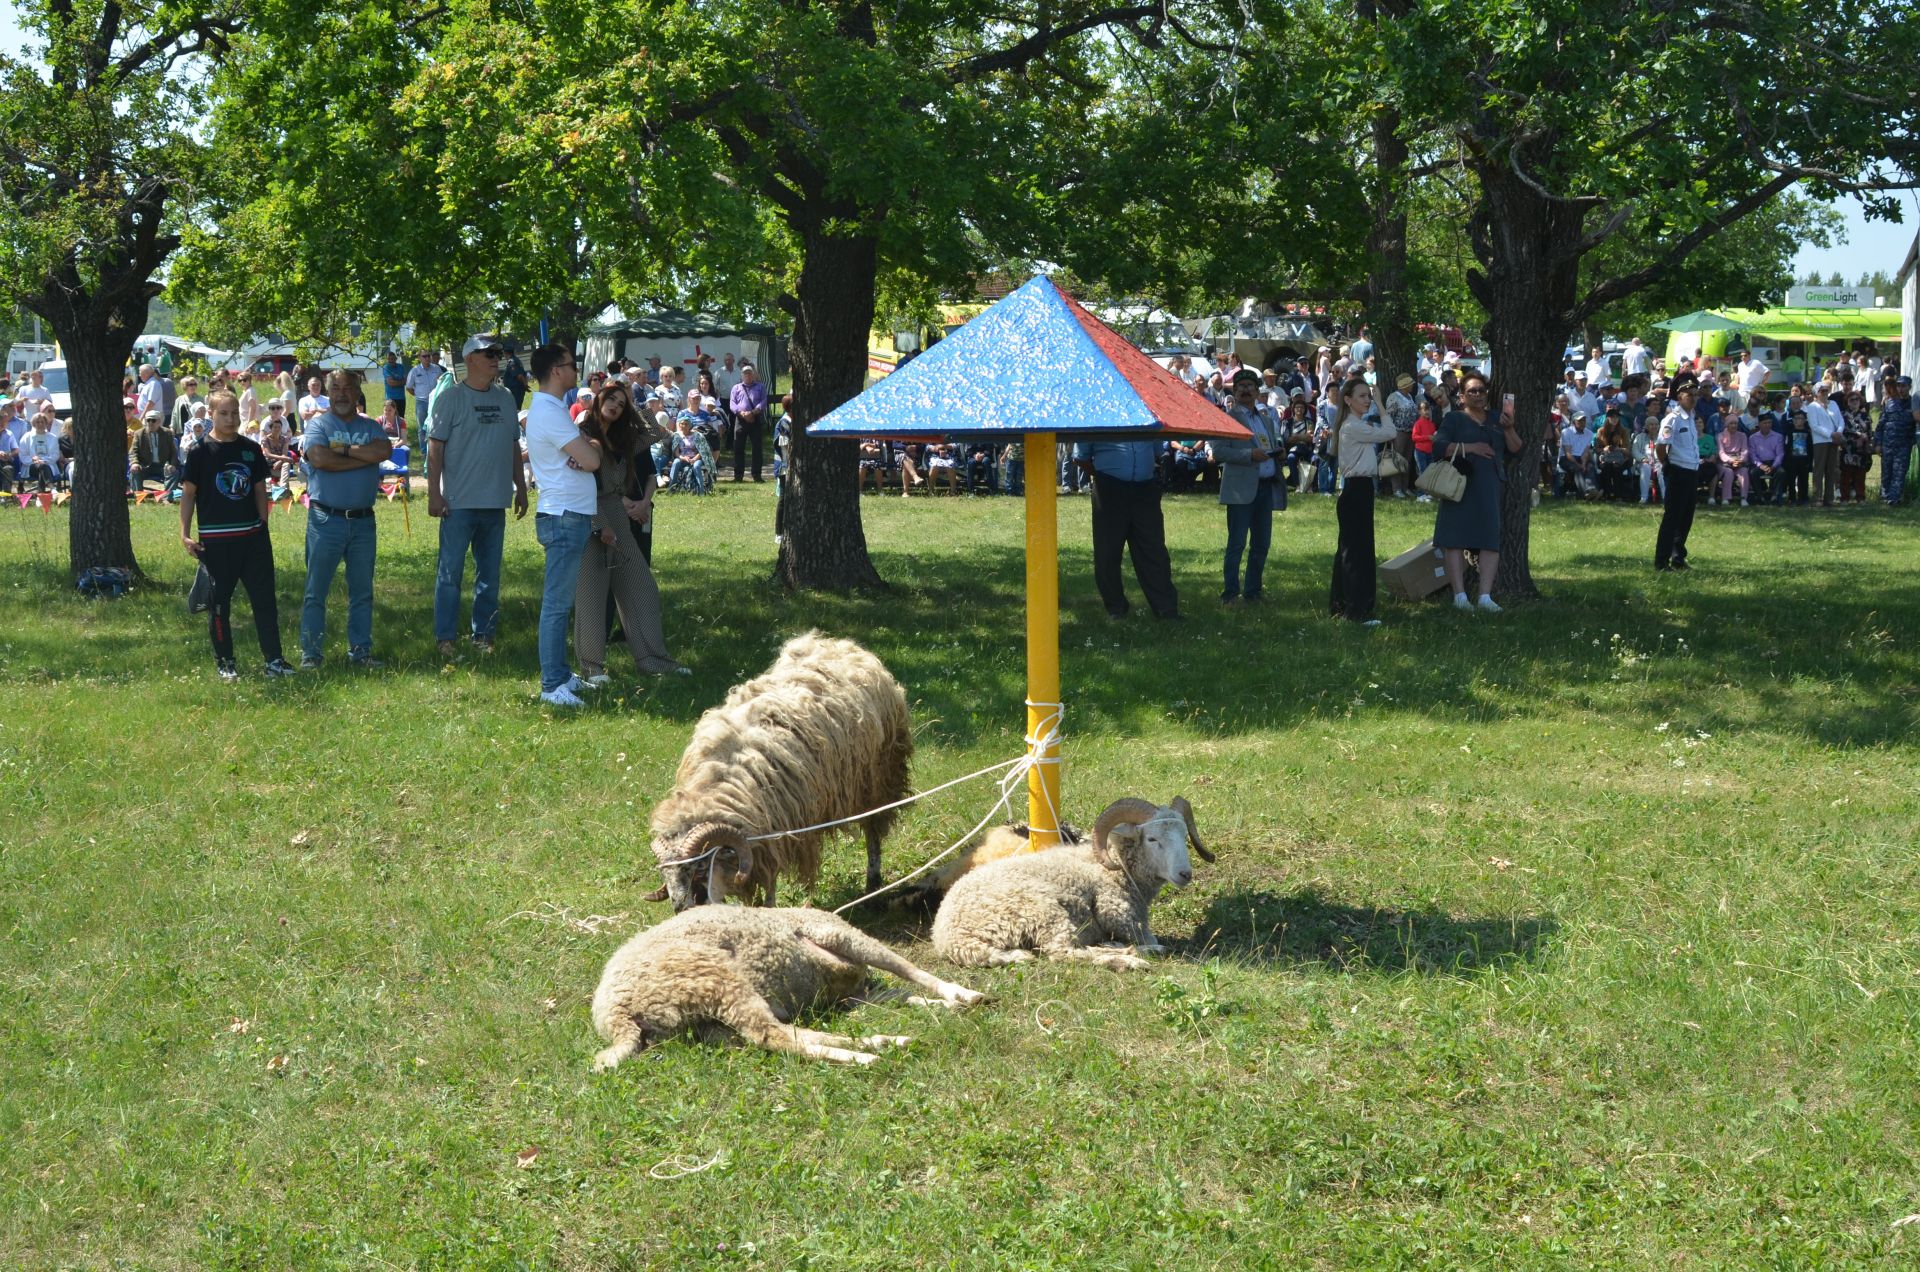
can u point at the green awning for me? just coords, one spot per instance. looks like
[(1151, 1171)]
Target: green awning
[(1820, 324)]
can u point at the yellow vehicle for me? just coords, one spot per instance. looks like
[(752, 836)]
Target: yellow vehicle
[(886, 349)]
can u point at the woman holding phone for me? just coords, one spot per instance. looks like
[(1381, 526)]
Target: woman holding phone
[(1473, 524), (1350, 447)]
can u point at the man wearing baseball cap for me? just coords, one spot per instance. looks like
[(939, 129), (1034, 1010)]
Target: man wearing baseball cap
[(154, 450), (473, 469), (1896, 438)]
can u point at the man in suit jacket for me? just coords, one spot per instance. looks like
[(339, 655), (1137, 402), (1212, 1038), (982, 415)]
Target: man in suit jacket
[(1250, 486)]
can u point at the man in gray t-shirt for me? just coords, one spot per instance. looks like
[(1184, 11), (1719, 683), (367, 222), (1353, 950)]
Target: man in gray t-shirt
[(473, 467)]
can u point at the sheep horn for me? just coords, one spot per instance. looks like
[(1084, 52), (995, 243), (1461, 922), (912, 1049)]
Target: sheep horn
[(1121, 812), (1180, 806), (716, 838)]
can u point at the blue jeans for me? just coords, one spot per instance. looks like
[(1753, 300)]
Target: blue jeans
[(331, 540), (484, 531), (1249, 521), (1014, 470), (564, 535)]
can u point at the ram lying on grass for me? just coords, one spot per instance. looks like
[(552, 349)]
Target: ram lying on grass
[(727, 969), (823, 735), (1084, 901)]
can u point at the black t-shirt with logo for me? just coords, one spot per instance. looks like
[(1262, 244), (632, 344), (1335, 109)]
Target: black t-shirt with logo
[(223, 475)]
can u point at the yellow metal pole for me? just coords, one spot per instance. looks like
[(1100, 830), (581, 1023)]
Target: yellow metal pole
[(1043, 640)]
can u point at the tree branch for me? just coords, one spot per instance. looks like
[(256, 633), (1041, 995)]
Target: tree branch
[(1625, 285), (1018, 55)]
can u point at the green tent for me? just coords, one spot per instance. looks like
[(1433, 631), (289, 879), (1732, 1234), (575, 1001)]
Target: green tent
[(1702, 320)]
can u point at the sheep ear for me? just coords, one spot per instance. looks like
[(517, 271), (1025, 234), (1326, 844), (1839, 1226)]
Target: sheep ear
[(1122, 840), (1180, 806)]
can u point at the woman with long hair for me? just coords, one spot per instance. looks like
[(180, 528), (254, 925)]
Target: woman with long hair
[(613, 553), (1350, 447)]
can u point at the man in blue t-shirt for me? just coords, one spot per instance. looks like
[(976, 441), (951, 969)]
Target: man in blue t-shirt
[(343, 450), (394, 376)]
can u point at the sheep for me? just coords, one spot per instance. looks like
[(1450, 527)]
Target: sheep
[(1011, 840), (720, 968), (1085, 901), (823, 735)]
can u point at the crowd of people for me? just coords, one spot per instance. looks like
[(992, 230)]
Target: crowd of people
[(590, 451), (599, 451)]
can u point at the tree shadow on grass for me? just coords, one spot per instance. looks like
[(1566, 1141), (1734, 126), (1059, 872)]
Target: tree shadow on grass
[(1307, 929), (1799, 643)]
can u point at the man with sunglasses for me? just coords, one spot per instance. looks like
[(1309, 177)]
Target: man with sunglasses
[(473, 469)]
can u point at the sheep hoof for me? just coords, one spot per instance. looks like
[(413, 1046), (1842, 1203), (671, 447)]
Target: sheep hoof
[(953, 995), (881, 1042), (838, 1055)]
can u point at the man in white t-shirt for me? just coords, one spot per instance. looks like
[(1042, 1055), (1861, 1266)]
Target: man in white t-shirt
[(1749, 375), (1637, 360), (1598, 372), (563, 460), (35, 393), (315, 403)]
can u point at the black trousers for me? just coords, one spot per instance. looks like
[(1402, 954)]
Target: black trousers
[(1678, 498), (741, 431), (1126, 514), (248, 562), (1355, 571)]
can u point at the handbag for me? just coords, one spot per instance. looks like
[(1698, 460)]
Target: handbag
[(1391, 465), (1443, 481)]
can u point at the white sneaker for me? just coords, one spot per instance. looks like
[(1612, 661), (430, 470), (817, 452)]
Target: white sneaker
[(577, 685), (600, 681), (561, 697), (1486, 605), (1423, 499), (1743, 503), (1372, 622), (1461, 602)]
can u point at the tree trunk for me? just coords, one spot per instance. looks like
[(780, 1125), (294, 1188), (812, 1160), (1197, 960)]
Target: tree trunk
[(822, 543), (99, 532), (1388, 312), (1387, 309), (1528, 290)]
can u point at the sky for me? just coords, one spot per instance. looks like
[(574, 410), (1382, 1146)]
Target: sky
[(1868, 247)]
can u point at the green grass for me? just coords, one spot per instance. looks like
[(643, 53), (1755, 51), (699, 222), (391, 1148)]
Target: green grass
[(1583, 935)]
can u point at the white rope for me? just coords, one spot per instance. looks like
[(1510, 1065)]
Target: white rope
[(1043, 747), (898, 803), (679, 1166)]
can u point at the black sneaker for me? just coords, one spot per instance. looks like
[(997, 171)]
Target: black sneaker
[(228, 672), (309, 662), (483, 644), (365, 662), (279, 669)]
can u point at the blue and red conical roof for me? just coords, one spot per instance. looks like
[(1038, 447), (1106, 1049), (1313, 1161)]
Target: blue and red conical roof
[(1035, 362)]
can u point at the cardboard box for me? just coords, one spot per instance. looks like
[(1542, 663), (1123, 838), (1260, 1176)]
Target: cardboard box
[(1417, 572)]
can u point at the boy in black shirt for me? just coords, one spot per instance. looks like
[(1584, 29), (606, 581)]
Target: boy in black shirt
[(225, 480)]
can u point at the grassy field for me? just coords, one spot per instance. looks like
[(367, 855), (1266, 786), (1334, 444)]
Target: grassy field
[(1580, 936)]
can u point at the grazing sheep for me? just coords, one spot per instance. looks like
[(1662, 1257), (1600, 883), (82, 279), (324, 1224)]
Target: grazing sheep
[(725, 968), (1079, 901), (824, 734)]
